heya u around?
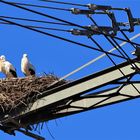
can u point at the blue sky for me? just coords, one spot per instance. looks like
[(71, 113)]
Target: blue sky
[(115, 122)]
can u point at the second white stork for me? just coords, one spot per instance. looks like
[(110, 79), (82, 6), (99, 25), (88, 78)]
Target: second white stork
[(7, 68), (26, 67)]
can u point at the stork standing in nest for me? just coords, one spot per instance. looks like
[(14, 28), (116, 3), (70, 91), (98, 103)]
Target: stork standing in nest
[(26, 67), (7, 68)]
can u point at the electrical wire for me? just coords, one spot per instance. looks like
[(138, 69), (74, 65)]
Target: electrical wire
[(49, 16), (127, 38), (58, 37), (39, 27), (48, 7), (34, 20), (66, 3), (39, 6), (14, 5), (75, 4)]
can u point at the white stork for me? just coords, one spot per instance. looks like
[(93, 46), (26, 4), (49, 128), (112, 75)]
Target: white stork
[(7, 68), (26, 67)]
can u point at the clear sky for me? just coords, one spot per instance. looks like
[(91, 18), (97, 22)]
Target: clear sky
[(50, 55)]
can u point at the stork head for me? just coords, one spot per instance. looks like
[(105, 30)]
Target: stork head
[(25, 55), (2, 57)]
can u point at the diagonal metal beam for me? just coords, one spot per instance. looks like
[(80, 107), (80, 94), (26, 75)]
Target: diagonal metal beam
[(102, 99)]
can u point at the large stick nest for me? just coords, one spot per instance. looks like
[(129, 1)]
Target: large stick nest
[(19, 92)]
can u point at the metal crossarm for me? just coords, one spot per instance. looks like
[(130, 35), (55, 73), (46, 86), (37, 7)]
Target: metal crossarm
[(100, 99)]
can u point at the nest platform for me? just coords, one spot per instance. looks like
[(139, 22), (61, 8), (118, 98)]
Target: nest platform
[(20, 92)]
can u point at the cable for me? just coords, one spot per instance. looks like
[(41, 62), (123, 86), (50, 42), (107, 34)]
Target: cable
[(75, 4), (39, 27), (127, 38), (73, 24), (129, 59), (39, 6), (4, 23), (58, 37), (33, 20), (52, 29), (48, 7), (66, 3)]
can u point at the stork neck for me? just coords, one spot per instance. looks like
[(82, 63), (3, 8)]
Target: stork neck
[(26, 59)]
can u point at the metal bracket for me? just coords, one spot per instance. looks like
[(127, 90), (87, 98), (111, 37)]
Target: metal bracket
[(98, 7), (77, 11), (82, 32), (131, 19), (93, 30)]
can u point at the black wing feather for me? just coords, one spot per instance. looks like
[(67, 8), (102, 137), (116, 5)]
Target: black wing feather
[(32, 72), (13, 73)]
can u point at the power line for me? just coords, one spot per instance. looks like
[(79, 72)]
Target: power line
[(66, 3), (58, 37), (48, 7), (34, 20), (39, 27), (39, 6), (127, 38), (42, 14), (95, 7), (49, 16)]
